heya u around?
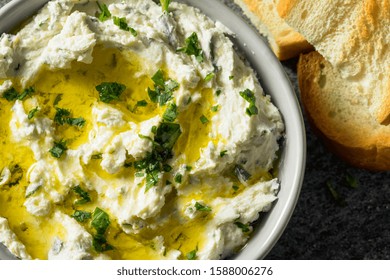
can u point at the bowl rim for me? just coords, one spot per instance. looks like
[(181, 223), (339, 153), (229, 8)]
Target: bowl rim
[(275, 82)]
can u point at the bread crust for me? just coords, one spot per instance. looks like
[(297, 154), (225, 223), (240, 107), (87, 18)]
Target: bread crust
[(364, 145), (285, 42), (354, 37)]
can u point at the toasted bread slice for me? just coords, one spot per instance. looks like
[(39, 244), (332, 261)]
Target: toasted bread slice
[(338, 111), (284, 41), (354, 37)]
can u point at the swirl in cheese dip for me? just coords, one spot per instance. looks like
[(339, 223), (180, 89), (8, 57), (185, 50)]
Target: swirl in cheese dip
[(131, 131)]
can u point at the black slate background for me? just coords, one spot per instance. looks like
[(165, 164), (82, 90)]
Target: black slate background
[(356, 226)]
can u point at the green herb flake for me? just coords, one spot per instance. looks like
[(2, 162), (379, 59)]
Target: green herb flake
[(214, 108), (218, 92), (336, 196), (223, 153), (165, 5), (57, 99), (192, 255), (97, 156), (170, 113), (100, 221), (163, 88), (121, 22), (139, 174), (62, 117), (209, 77), (100, 244), (351, 181), (167, 135), (152, 179), (26, 93), (203, 119), (202, 208), (188, 168), (104, 12), (235, 187), (12, 94), (192, 47), (249, 96), (81, 216), (142, 103), (32, 113), (245, 228), (58, 149), (16, 175), (178, 178), (231, 77), (110, 91), (84, 196)]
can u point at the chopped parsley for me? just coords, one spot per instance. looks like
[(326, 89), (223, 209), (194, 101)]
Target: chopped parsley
[(336, 196), (170, 113), (32, 113), (104, 12), (166, 135), (192, 47), (81, 216), (351, 181), (250, 97), (203, 119), (165, 5), (110, 91), (152, 178), (231, 77), (223, 153), (218, 92), (121, 22), (58, 149), (163, 88), (235, 187), (84, 196), (203, 208), (178, 178), (245, 228), (97, 156), (12, 94), (214, 108), (142, 103), (100, 222), (26, 93), (188, 168), (209, 77), (62, 117), (16, 175), (192, 255), (57, 99)]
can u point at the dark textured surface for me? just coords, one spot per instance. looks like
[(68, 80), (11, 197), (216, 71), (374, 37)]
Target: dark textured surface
[(356, 226)]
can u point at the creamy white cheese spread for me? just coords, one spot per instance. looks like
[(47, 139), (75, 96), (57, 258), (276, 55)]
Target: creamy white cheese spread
[(131, 132)]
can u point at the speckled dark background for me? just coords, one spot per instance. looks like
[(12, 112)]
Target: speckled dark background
[(356, 226)]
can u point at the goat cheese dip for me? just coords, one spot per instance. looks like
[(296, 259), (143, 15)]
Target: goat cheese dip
[(131, 130)]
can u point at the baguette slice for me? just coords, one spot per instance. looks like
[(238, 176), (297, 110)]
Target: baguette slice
[(354, 36), (337, 110), (284, 41)]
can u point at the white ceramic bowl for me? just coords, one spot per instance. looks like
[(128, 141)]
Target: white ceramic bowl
[(275, 83)]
